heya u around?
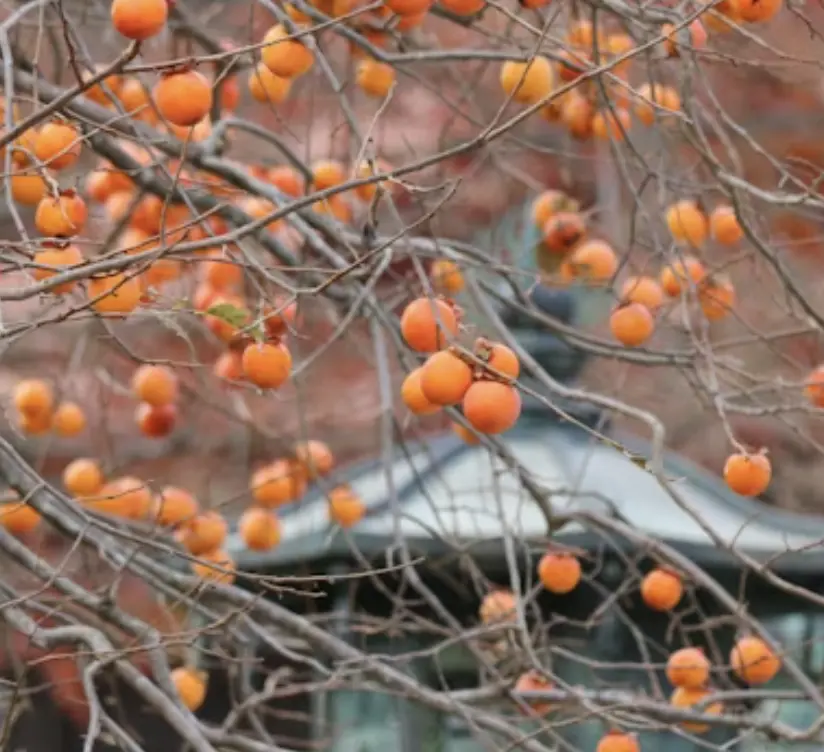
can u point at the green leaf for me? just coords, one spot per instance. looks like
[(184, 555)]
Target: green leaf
[(237, 317)]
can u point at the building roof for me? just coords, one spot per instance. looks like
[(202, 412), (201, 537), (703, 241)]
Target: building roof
[(447, 493)]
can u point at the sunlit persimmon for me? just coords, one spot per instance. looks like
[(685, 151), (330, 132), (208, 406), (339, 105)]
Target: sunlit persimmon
[(527, 82), (684, 273), (366, 169), (285, 56), (546, 205), (662, 589), (686, 698), (413, 396), (327, 173), (724, 226), (221, 271), (287, 180), (139, 19), (498, 607), (205, 532), (559, 573), (445, 378), (631, 324), (533, 681), (655, 99), (611, 124), (174, 506), (689, 668), (229, 366), (259, 529), (62, 216), (491, 407), (687, 222), (315, 458), (374, 77), (267, 365), (593, 261), (156, 421), (577, 114), (278, 483), (446, 276), (28, 189), (115, 294), (267, 87), (18, 517), (136, 99), (183, 98), (644, 290), (68, 419), (99, 185), (83, 477), (499, 360), (754, 11), (34, 425), (582, 34), (748, 474), (427, 324), (52, 260), (155, 384), (33, 397), (345, 507), (563, 231), (57, 145), (215, 566), (753, 661), (190, 685), (127, 497)]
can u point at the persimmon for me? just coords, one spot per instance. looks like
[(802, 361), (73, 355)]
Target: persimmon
[(117, 205), (532, 681), (695, 33), (125, 497), (427, 324), (174, 506), (267, 87), (445, 378), (259, 529), (631, 324), (498, 607), (280, 318), (577, 114), (284, 56), (446, 276), (755, 11), (546, 205), (463, 7), (499, 359), (336, 206), (183, 98), (68, 419), (611, 124), (413, 396), (618, 741), (34, 425), (594, 261), (57, 145), (655, 98), (572, 64), (33, 397), (748, 474), (327, 173), (407, 23), (139, 19), (563, 231), (662, 589), (678, 276), (116, 294), (287, 180), (221, 272), (814, 387), (491, 407), (466, 435), (688, 668), (28, 189), (266, 365), (59, 258), (643, 290), (582, 34), (724, 226), (215, 566), (716, 296), (686, 698), (229, 366), (753, 661), (97, 93), (155, 384), (205, 532), (156, 421), (408, 7), (136, 98), (374, 77), (154, 213), (298, 16), (315, 458), (229, 95), (278, 483), (190, 685), (559, 573), (99, 186), (18, 517), (687, 223), (227, 327), (83, 477), (345, 507), (527, 82), (61, 216)]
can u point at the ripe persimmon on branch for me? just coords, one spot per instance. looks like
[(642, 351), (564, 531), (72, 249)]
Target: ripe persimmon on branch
[(460, 355)]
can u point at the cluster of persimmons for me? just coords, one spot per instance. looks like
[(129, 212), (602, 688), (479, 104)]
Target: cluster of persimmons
[(688, 669)]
